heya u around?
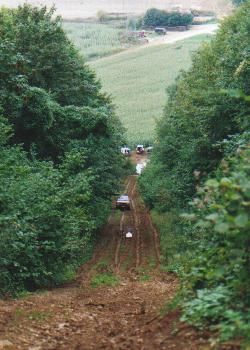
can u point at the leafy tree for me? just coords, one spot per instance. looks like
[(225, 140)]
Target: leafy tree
[(40, 67), (217, 281), (59, 159), (156, 17), (202, 159), (199, 114), (238, 2)]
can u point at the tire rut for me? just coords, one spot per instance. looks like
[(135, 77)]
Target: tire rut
[(119, 317)]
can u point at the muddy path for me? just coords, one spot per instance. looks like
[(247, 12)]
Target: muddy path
[(125, 315)]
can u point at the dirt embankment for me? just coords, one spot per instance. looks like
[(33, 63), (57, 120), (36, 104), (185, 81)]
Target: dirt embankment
[(124, 316)]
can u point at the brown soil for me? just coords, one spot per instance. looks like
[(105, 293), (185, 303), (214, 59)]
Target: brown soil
[(125, 316)]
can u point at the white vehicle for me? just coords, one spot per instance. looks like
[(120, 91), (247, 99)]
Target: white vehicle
[(140, 149), (126, 151), (123, 202), (129, 235)]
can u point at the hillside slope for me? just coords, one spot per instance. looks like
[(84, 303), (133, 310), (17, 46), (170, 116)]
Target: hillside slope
[(115, 303), (137, 80)]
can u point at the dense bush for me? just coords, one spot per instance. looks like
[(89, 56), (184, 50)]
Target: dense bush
[(155, 17), (59, 164), (199, 115), (202, 152), (217, 281)]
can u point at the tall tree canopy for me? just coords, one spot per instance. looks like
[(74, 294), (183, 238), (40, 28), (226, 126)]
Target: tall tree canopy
[(59, 159), (201, 167), (199, 114)]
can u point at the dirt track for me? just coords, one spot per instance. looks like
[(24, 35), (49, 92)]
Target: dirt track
[(173, 37), (125, 316), (170, 38)]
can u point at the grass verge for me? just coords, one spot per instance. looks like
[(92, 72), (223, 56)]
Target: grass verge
[(104, 279)]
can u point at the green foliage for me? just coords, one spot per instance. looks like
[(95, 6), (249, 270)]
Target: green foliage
[(202, 159), (217, 281), (177, 241), (45, 221), (5, 131), (199, 114), (239, 2), (59, 159), (234, 143), (104, 279), (155, 17)]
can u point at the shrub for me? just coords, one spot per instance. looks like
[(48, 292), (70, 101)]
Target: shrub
[(217, 282), (155, 17)]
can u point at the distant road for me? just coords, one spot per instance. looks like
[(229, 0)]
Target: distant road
[(172, 37)]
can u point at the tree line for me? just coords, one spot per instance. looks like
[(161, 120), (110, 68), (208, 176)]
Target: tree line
[(59, 159), (198, 181), (155, 17)]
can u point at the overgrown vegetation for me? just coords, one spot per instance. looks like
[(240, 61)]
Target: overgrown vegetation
[(155, 17), (217, 280), (198, 181), (59, 164)]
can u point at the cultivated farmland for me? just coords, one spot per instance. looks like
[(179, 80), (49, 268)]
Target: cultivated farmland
[(138, 79), (94, 39)]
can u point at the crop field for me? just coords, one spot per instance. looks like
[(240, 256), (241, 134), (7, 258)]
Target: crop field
[(94, 39), (137, 81)]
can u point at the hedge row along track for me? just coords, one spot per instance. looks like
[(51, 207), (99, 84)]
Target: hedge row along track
[(124, 316)]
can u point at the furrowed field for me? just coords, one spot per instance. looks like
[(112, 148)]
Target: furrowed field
[(137, 80)]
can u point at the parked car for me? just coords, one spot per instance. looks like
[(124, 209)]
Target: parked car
[(140, 149), (160, 31), (123, 203), (126, 151)]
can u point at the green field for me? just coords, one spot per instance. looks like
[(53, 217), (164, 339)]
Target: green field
[(94, 39), (138, 79)]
